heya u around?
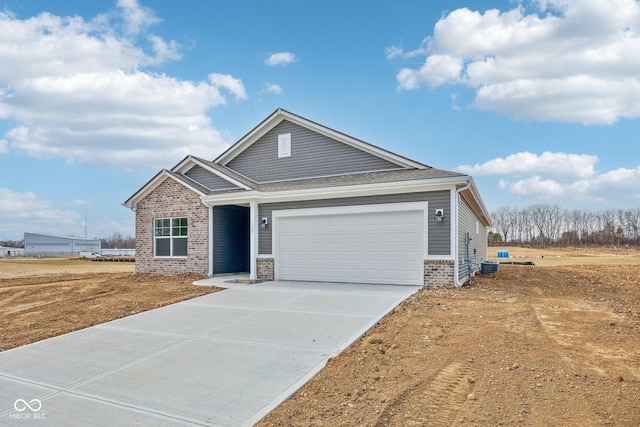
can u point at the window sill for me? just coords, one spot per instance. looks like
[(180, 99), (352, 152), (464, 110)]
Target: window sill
[(170, 257)]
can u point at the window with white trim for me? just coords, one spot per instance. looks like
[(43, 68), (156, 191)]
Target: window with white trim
[(170, 237)]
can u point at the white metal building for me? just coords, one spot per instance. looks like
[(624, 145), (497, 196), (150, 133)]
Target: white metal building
[(118, 252), (5, 251), (49, 245)]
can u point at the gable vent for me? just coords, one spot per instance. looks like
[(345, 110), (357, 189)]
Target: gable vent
[(284, 145)]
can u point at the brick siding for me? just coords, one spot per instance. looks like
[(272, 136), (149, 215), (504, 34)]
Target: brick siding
[(172, 200), (439, 273), (265, 268)]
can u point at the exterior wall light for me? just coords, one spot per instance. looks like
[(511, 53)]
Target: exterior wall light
[(264, 222), (439, 215)]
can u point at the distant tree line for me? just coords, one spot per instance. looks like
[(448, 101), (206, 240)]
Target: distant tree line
[(118, 241), (545, 224), (12, 243)]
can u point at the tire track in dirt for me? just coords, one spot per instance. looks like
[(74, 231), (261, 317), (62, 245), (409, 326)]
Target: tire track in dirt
[(40, 282), (435, 402), (590, 329)]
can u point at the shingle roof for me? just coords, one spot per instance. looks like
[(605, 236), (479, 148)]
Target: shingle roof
[(229, 172), (189, 182), (397, 175), (359, 179)]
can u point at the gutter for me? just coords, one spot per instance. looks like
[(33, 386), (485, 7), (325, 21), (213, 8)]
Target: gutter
[(457, 282), (354, 190)]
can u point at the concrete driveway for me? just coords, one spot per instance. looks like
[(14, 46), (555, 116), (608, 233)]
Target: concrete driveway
[(225, 359)]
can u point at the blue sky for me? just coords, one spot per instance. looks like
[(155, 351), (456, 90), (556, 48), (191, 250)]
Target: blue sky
[(537, 100)]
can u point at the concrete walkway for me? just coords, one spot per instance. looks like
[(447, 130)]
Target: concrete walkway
[(223, 359)]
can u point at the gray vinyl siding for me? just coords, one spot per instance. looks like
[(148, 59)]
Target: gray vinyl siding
[(312, 155), (468, 220), (438, 233), (230, 239), (209, 179)]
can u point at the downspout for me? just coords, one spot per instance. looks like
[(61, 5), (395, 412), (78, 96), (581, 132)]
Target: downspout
[(456, 223)]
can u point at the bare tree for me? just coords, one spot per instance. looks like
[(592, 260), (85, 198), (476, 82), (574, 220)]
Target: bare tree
[(538, 216), (514, 223), (573, 222), (553, 222), (501, 222), (12, 243), (545, 224), (117, 240), (633, 222)]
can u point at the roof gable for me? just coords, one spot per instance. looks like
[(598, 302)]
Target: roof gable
[(159, 179), (310, 154), (393, 161), (204, 172), (209, 179)]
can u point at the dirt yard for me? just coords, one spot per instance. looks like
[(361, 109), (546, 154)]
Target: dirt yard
[(44, 298), (543, 345), (526, 346)]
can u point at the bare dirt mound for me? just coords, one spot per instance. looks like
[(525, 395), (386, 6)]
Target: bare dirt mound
[(527, 346)]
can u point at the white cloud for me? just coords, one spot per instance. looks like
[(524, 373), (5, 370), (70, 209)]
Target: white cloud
[(538, 188), (20, 212), (393, 51), (454, 102), (106, 226), (558, 165), (610, 188), (228, 82), (280, 58), (397, 51), (76, 89), (272, 88), (563, 60), (560, 176), (164, 51), (136, 17)]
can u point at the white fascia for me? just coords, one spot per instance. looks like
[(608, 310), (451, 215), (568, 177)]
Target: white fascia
[(476, 196), (188, 163), (371, 149), (279, 115), (334, 192), (152, 184), (253, 135)]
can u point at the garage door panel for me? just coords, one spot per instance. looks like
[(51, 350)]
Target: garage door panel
[(375, 247)]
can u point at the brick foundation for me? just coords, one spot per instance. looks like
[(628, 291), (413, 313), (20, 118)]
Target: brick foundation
[(439, 273), (172, 200), (265, 268)]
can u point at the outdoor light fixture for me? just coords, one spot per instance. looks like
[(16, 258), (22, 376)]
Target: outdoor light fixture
[(264, 222), (439, 215)]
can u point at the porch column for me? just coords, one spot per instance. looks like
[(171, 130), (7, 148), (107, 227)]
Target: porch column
[(253, 240), (210, 251)]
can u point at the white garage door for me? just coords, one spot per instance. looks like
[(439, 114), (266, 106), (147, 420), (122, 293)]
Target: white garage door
[(360, 247)]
